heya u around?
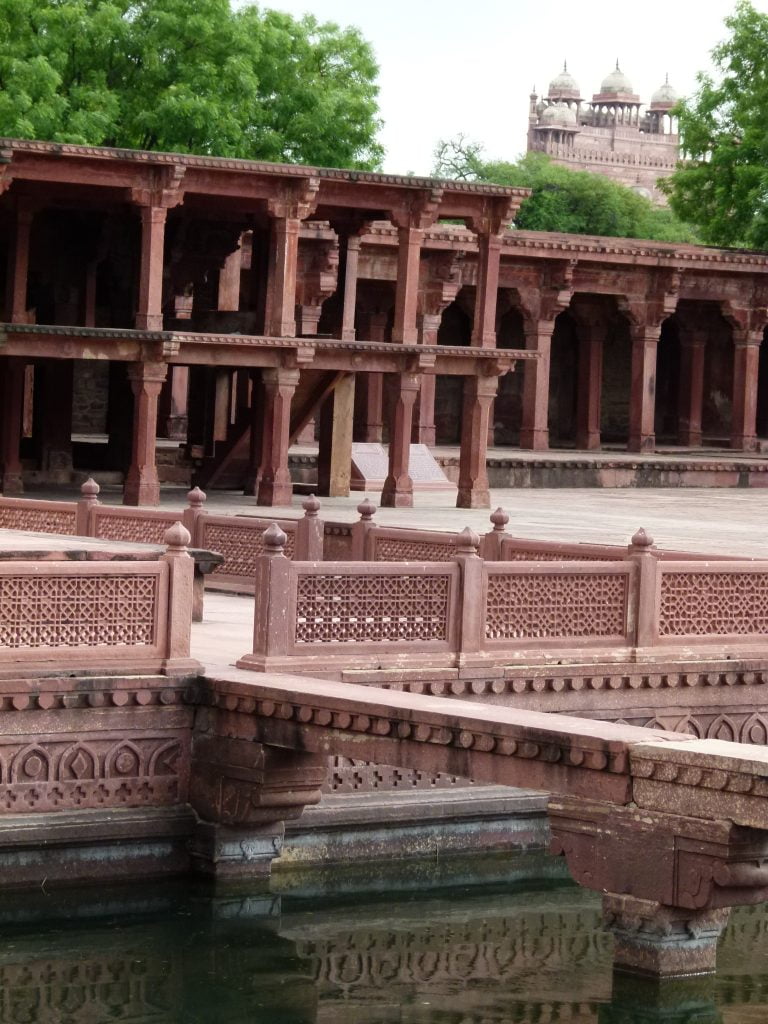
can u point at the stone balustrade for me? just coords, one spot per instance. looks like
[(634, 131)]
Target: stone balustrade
[(468, 612), (96, 616)]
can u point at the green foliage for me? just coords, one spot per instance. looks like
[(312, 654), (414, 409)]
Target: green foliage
[(723, 183), (576, 202), (187, 76)]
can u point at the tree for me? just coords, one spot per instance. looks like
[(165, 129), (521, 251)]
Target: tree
[(576, 202), (188, 77), (722, 185)]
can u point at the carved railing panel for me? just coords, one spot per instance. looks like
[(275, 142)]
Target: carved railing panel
[(729, 601), (38, 516), (372, 607), (558, 604), (239, 539), (142, 526)]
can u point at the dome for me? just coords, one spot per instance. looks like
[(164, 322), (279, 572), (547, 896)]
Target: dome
[(665, 97), (558, 115), (564, 86), (616, 84)]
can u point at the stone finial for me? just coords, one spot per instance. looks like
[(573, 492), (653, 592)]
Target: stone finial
[(90, 489), (467, 542), (499, 518), (196, 498), (274, 540), (366, 508), (177, 537), (642, 540), (311, 507)]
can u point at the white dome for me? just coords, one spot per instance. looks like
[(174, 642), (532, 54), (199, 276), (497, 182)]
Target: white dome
[(616, 84), (564, 85), (664, 97), (558, 115)]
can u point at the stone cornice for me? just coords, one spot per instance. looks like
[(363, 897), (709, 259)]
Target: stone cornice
[(147, 158)]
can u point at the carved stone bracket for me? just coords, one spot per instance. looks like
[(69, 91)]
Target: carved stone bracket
[(164, 189), (419, 211), (295, 201)]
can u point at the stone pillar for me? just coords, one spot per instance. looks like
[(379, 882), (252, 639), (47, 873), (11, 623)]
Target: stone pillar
[(642, 398), (149, 316), (350, 288), (371, 387), (287, 214), (178, 416), (534, 431), (424, 425), (398, 487), (486, 292), (479, 393), (334, 462), (692, 350), (18, 267), (407, 289), (281, 286), (274, 485), (229, 282), (746, 356), (13, 403), (142, 486), (590, 378)]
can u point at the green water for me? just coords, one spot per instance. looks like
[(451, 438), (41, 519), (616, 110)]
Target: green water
[(525, 950)]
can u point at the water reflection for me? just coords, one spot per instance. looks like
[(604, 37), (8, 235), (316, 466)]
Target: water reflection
[(532, 953)]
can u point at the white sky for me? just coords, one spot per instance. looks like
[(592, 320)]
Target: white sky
[(469, 65)]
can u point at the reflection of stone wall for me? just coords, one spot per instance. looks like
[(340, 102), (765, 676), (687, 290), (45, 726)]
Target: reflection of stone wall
[(90, 396)]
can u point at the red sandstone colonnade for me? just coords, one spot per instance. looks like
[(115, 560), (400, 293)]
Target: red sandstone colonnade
[(239, 306)]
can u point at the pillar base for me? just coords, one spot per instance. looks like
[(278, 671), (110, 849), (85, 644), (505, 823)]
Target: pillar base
[(144, 490), (588, 443), (397, 495), (643, 443), (233, 854), (149, 321), (740, 443), (657, 941), (274, 492), (534, 440), (690, 439), (177, 427), (12, 483), (473, 497)]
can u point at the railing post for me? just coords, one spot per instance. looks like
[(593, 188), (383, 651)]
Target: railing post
[(193, 515), (90, 497), (272, 632), (643, 600), (471, 608), (362, 533), (179, 616), (492, 541), (310, 532)]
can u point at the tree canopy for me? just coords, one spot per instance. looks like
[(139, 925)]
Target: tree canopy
[(193, 77), (577, 202), (722, 184)]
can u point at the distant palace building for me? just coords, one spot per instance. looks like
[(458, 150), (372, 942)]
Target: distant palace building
[(615, 134)]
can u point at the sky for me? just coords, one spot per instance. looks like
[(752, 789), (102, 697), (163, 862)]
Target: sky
[(468, 66)]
